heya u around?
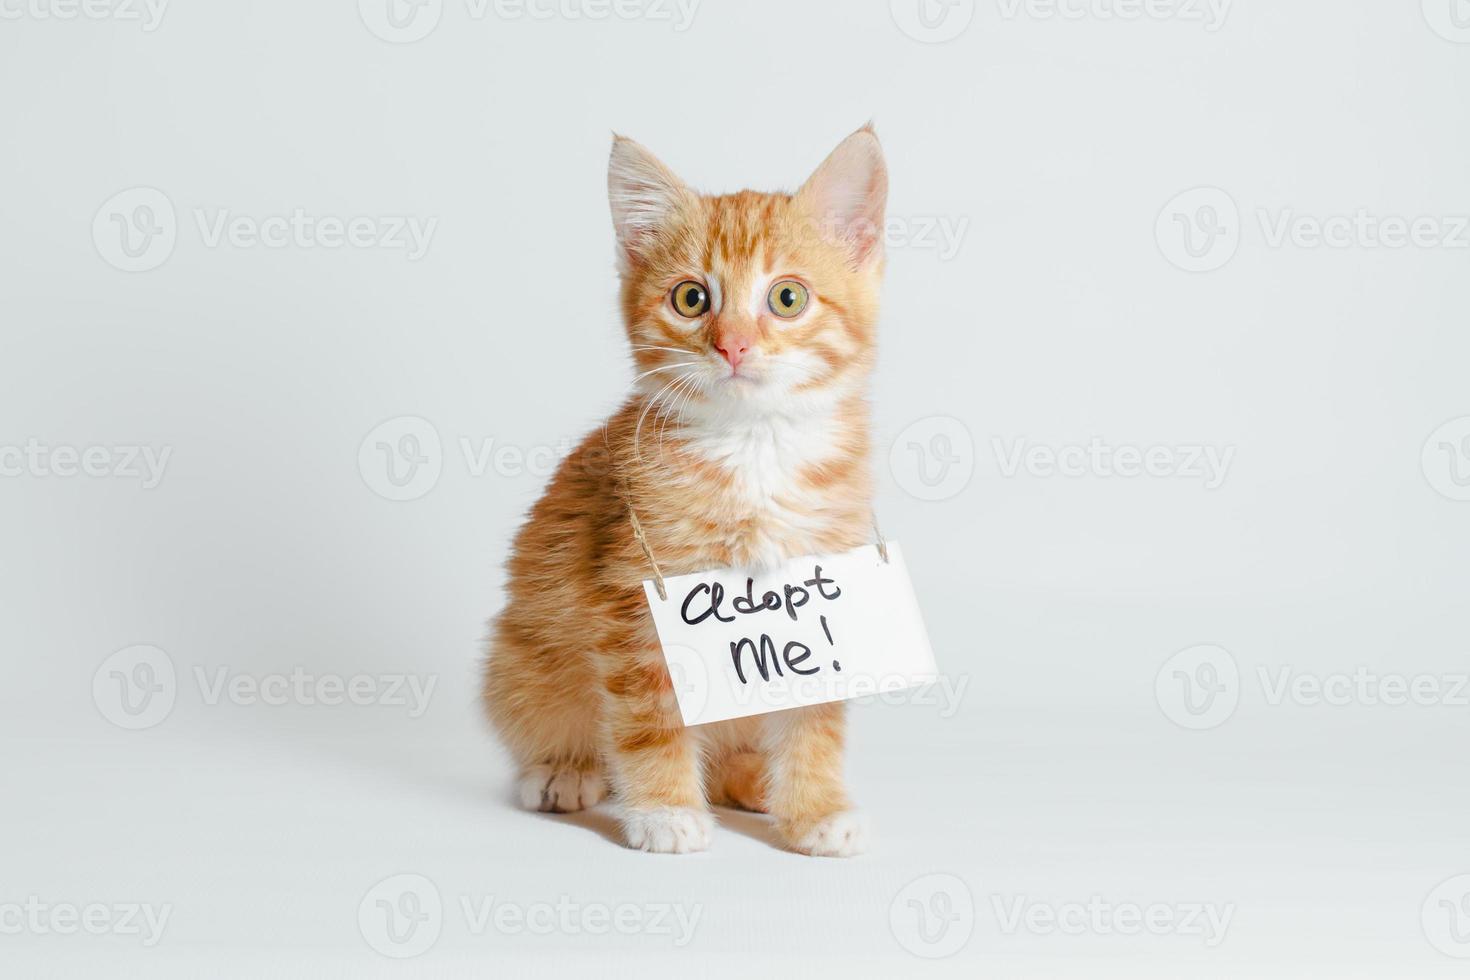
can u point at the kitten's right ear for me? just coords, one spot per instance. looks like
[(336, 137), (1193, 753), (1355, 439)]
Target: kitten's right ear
[(643, 194), (847, 195)]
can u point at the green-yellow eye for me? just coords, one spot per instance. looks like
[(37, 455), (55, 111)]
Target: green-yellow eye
[(690, 299), (787, 298)]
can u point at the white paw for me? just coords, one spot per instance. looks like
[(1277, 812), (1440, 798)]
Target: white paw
[(843, 834), (556, 790), (668, 829)]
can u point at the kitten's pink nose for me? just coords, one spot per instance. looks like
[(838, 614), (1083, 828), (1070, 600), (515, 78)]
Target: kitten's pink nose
[(734, 347)]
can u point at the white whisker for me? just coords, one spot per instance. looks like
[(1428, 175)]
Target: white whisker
[(689, 394), (638, 429), (665, 367), (667, 411)]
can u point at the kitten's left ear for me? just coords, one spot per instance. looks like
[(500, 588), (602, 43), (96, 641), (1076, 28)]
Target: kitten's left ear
[(643, 194), (847, 194)]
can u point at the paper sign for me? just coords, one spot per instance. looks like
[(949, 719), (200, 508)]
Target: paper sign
[(817, 629)]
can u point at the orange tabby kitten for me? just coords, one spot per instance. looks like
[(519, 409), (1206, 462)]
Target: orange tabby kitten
[(745, 442)]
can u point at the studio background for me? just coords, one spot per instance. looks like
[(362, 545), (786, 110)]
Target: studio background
[(1100, 235)]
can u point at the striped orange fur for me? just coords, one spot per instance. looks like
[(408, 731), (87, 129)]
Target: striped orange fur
[(745, 441)]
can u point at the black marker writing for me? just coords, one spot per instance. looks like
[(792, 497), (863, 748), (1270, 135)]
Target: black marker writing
[(822, 583), (705, 600), (764, 655), (716, 595)]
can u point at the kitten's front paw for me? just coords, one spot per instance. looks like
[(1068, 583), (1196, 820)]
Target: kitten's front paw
[(560, 790), (668, 829), (841, 834)]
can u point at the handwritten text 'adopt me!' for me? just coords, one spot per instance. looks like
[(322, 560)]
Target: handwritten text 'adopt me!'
[(817, 629)]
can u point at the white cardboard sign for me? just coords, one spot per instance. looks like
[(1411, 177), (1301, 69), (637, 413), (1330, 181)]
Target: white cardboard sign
[(817, 629)]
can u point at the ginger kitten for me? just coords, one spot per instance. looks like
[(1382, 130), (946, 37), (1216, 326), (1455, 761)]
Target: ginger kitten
[(744, 443)]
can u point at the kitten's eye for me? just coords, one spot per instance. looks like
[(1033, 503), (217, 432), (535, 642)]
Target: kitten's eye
[(690, 299), (787, 298)]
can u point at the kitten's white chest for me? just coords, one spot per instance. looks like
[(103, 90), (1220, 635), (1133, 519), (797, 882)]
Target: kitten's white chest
[(766, 459)]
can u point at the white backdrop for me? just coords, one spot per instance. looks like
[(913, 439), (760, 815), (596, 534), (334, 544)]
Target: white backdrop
[(1220, 246)]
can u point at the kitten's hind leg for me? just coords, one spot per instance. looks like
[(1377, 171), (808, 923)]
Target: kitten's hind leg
[(542, 702), (739, 780)]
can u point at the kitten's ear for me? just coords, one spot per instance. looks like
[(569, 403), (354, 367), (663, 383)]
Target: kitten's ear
[(643, 194), (847, 194)]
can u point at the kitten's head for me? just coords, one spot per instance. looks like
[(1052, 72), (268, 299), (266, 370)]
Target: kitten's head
[(750, 300)]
